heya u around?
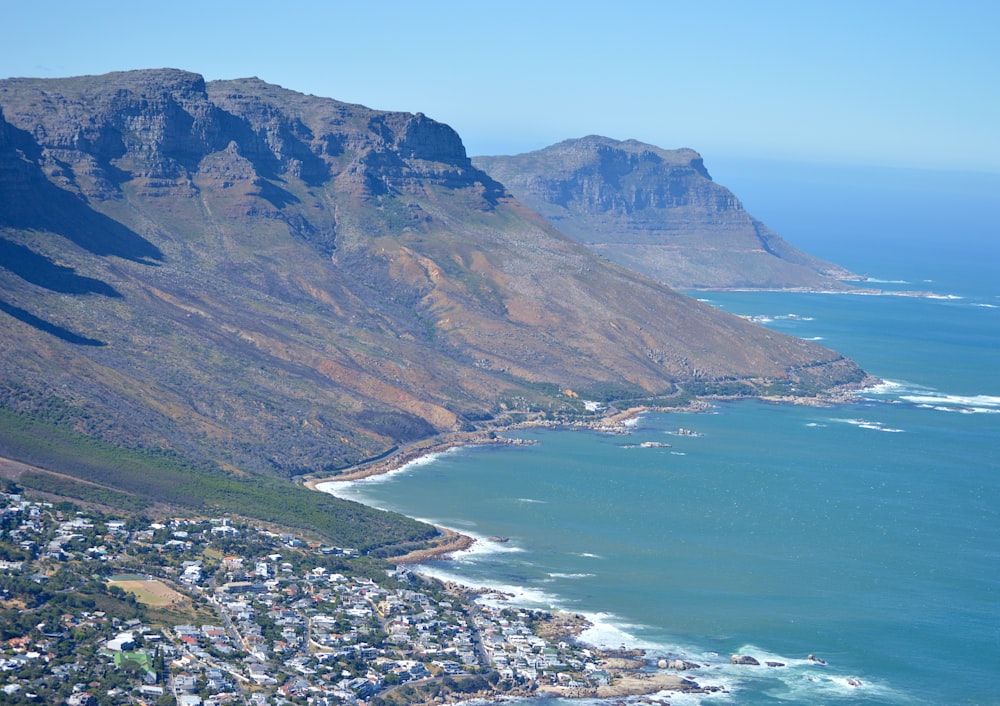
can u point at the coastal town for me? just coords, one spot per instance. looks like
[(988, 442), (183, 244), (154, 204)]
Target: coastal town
[(99, 609)]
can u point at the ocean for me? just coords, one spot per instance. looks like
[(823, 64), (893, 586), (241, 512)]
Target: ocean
[(866, 534)]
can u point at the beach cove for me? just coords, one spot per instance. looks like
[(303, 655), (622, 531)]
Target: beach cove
[(862, 532), (621, 676), (623, 671)]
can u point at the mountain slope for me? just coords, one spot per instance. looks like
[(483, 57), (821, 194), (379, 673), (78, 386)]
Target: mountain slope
[(659, 213), (273, 282)]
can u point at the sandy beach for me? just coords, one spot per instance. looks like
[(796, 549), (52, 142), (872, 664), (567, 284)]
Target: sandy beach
[(449, 542)]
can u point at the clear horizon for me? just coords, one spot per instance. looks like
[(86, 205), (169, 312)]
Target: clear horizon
[(894, 84)]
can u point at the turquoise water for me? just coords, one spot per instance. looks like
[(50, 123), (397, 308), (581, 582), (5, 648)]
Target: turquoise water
[(867, 534)]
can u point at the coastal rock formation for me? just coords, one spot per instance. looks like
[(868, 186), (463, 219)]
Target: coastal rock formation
[(657, 212), (682, 665), (744, 659), (250, 278)]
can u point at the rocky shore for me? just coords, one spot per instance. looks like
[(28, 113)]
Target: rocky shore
[(615, 422), (447, 544), (411, 452)]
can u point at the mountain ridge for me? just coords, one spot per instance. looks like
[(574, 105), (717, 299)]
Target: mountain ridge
[(279, 283), (660, 213)]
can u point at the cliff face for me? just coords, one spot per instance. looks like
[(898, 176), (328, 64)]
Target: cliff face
[(658, 212), (283, 283), (154, 128)]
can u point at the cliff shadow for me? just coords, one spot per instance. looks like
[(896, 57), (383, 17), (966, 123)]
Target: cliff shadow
[(32, 202), (60, 332), (40, 270), (58, 211)]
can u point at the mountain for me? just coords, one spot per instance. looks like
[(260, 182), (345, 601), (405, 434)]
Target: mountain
[(264, 282), (657, 212)]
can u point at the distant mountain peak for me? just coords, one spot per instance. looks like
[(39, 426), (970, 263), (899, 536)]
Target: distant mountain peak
[(659, 212)]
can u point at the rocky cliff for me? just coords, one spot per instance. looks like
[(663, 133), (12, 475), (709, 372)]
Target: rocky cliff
[(657, 212), (273, 282)]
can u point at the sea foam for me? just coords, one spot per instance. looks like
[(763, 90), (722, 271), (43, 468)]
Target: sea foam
[(499, 594), (873, 426), (929, 398), (968, 404)]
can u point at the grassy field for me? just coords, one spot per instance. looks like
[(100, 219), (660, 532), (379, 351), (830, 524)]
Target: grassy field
[(87, 469), (151, 592)]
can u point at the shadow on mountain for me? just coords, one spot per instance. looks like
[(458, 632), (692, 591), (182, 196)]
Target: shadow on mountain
[(65, 214), (253, 145), (493, 190), (275, 195), (38, 269), (59, 332), (399, 426), (35, 203)]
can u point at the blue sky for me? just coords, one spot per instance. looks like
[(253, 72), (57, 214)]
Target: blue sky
[(904, 84)]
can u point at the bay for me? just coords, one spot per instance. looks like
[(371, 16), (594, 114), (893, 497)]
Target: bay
[(867, 534)]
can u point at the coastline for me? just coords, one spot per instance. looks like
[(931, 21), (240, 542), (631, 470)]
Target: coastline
[(850, 289), (613, 422), (642, 675), (450, 541)]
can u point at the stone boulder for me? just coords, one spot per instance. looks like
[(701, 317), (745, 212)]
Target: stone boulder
[(682, 664)]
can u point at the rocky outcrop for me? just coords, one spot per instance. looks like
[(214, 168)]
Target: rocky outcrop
[(20, 177), (744, 659), (158, 126), (682, 665), (658, 212), (154, 125)]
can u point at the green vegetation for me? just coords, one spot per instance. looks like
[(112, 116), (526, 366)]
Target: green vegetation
[(721, 388), (68, 487), (65, 591), (130, 478), (436, 689)]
